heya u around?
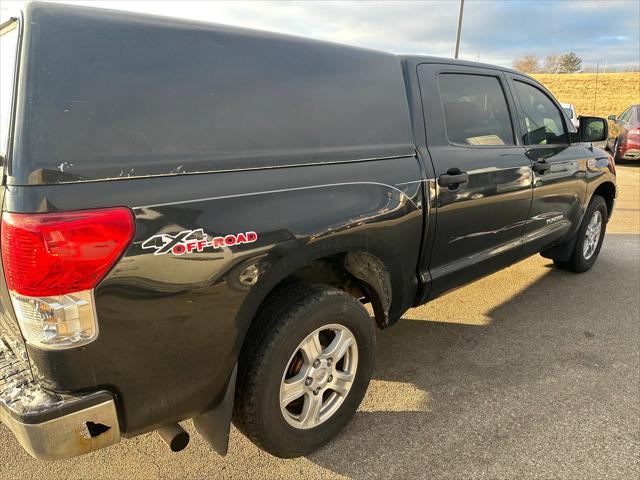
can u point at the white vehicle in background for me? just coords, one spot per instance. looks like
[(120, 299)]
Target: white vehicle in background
[(570, 110)]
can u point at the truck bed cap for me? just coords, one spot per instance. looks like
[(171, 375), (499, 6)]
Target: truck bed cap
[(110, 95)]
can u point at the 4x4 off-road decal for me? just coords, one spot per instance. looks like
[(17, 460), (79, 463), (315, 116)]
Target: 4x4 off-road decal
[(190, 241)]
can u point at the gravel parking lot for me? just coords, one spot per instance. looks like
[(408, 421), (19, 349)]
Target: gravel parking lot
[(532, 372)]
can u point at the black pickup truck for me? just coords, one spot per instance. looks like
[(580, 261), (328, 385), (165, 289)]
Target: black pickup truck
[(194, 215)]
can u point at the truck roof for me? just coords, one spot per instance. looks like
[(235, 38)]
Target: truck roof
[(417, 59)]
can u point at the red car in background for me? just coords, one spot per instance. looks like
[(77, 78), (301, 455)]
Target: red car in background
[(624, 134)]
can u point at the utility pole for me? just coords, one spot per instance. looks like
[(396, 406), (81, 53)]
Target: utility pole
[(595, 90), (459, 28)]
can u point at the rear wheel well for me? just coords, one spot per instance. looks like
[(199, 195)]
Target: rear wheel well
[(607, 190), (359, 274)]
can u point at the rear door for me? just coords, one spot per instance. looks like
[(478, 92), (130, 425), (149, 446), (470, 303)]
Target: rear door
[(559, 167), (483, 178)]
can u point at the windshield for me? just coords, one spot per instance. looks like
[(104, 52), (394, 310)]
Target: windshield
[(568, 111), (8, 50)]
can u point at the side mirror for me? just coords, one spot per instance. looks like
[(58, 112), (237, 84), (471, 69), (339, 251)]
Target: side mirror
[(593, 129), (612, 117)]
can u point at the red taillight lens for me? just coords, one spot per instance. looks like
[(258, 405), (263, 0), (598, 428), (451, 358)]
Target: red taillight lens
[(633, 138), (46, 254)]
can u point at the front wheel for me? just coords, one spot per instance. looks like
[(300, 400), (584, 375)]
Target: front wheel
[(589, 238), (304, 370)]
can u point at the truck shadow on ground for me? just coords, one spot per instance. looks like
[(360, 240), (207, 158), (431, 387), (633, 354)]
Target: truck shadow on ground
[(475, 397)]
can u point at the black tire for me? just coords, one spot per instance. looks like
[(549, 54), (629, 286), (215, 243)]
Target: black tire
[(289, 315), (577, 262)]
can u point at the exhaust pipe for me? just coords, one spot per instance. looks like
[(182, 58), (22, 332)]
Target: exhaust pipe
[(174, 436)]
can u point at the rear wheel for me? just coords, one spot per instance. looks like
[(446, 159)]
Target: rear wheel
[(304, 370), (589, 238)]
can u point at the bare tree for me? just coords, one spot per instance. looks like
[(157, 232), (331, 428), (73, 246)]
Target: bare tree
[(527, 64), (552, 64)]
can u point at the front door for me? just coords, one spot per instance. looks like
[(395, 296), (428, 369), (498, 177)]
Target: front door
[(559, 168), (483, 177)]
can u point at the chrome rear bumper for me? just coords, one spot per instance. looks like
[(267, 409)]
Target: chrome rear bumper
[(631, 154), (52, 426)]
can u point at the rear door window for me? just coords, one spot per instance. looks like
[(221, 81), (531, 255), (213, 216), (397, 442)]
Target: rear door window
[(475, 110), (8, 51), (542, 119)]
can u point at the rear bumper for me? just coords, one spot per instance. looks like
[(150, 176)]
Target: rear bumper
[(631, 154), (52, 426)]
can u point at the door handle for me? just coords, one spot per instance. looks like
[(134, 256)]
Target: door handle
[(541, 166), (453, 178)]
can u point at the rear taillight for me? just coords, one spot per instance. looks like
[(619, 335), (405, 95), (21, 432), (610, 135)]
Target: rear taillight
[(632, 142), (52, 262)]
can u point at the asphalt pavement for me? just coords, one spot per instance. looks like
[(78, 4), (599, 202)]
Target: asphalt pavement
[(531, 372)]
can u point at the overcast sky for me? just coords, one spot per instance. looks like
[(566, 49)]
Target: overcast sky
[(494, 31)]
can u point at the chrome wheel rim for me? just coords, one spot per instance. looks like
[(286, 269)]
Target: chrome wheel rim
[(592, 235), (318, 376)]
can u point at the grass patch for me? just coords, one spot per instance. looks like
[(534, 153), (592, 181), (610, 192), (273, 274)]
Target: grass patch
[(615, 91)]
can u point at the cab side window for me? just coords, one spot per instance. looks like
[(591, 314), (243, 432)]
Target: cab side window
[(475, 110), (624, 116), (542, 119)]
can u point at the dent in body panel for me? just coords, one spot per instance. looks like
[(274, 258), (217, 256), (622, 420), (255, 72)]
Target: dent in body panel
[(486, 184), (487, 187), (553, 221), (492, 193)]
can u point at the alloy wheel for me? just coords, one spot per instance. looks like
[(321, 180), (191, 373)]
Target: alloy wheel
[(592, 235), (318, 376)]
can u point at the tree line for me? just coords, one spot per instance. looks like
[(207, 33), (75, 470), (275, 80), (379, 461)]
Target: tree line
[(565, 63)]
